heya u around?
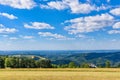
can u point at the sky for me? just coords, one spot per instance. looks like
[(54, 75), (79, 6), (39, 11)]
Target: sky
[(59, 24)]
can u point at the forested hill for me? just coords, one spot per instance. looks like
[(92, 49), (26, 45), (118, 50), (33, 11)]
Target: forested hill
[(96, 58), (79, 57)]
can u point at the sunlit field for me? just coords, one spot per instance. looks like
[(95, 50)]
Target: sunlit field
[(60, 74)]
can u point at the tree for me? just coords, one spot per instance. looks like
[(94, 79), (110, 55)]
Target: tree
[(7, 62), (72, 65), (11, 62), (25, 62), (84, 65), (99, 65), (64, 66), (107, 64), (2, 62), (43, 63), (30, 63), (118, 65), (54, 66)]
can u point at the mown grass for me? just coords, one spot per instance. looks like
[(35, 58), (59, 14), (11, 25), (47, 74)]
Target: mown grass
[(60, 74)]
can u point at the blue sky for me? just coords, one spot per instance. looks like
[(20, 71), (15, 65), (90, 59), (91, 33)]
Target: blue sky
[(59, 24)]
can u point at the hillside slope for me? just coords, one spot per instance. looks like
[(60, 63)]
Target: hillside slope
[(80, 58)]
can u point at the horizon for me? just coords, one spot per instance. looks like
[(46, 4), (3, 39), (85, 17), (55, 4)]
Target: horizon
[(64, 50), (59, 25)]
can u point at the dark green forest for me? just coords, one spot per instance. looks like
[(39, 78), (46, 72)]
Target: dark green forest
[(23, 62)]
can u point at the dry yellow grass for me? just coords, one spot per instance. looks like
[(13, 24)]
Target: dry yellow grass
[(60, 74)]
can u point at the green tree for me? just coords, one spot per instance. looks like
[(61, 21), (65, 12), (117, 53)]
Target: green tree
[(43, 63), (31, 63), (12, 62), (54, 66), (84, 65), (99, 65), (72, 65), (2, 61), (7, 62), (118, 65), (64, 66), (25, 62), (107, 64)]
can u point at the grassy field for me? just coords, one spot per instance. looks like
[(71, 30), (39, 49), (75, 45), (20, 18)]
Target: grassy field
[(60, 74)]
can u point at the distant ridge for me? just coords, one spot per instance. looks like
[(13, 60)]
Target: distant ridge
[(7, 52), (77, 56)]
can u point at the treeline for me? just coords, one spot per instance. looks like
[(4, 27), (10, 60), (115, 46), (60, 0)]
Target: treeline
[(107, 64), (24, 62), (27, 62)]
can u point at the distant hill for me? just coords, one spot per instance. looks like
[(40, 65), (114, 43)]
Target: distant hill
[(96, 58), (79, 57), (35, 57)]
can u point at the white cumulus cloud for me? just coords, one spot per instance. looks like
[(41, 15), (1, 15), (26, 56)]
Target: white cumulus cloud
[(74, 5), (81, 36), (114, 32), (77, 7), (27, 37), (20, 4), (54, 5), (13, 38), (116, 25), (38, 25), (49, 34), (10, 16), (53, 36), (89, 23), (3, 29), (115, 11)]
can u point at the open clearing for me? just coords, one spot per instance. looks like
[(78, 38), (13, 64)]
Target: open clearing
[(60, 74)]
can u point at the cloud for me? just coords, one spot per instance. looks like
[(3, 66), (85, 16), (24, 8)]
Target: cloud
[(19, 4), (27, 37), (115, 11), (114, 32), (4, 36), (74, 5), (116, 25), (102, 7), (81, 36), (3, 29), (10, 16), (53, 36), (88, 24), (54, 5), (13, 38), (77, 7), (48, 34), (38, 25)]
